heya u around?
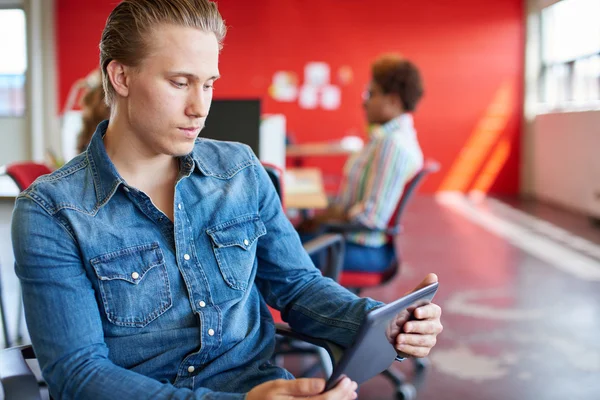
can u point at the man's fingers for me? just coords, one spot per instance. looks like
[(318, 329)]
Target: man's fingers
[(344, 390), (300, 387), (428, 311), (427, 327), (413, 351), (428, 280), (415, 340)]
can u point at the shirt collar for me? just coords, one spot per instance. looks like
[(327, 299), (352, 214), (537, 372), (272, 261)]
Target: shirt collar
[(403, 122), (105, 176)]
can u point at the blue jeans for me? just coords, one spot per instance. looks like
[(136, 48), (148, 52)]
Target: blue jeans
[(360, 258)]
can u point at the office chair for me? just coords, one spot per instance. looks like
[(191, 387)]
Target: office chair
[(356, 281), (26, 172), (23, 174)]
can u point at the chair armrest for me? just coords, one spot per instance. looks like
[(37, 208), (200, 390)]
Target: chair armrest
[(355, 227), (334, 244), (18, 380), (335, 351)]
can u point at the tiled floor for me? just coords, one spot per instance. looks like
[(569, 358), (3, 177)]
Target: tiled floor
[(521, 300)]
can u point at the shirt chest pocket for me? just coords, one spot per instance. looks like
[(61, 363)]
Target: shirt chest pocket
[(134, 284), (234, 245)]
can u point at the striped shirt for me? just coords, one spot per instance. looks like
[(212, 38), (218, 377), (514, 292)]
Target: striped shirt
[(374, 178)]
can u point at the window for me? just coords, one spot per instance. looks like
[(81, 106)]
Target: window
[(13, 62), (570, 71)]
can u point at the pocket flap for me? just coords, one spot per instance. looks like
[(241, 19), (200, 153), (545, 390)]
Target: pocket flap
[(130, 264), (241, 232)]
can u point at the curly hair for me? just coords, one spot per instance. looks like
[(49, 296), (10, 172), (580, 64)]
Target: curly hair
[(397, 75), (94, 111)]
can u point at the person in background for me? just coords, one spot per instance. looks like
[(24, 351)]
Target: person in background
[(148, 261), (374, 178), (93, 111)]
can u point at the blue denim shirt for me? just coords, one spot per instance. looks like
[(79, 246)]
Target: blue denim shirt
[(121, 302)]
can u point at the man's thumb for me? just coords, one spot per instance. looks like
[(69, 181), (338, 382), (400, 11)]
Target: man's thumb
[(429, 279)]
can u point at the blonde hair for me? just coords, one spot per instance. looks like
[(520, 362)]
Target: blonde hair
[(131, 21)]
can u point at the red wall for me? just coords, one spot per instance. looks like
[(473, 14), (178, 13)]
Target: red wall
[(466, 49)]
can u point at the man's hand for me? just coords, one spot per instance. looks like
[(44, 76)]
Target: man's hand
[(417, 336), (306, 388)]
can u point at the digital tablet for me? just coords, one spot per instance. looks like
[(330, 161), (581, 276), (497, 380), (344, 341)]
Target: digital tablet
[(372, 351)]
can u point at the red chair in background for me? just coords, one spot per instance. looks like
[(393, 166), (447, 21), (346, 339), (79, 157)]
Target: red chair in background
[(26, 172)]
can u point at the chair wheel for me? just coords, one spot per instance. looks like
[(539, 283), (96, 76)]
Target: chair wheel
[(422, 364), (406, 392)]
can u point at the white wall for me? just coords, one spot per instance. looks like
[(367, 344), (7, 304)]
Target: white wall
[(560, 160), (565, 165), (13, 139)]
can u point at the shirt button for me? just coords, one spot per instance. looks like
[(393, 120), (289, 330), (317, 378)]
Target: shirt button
[(135, 275), (191, 369), (211, 332), (201, 303), (186, 256), (179, 206), (246, 242)]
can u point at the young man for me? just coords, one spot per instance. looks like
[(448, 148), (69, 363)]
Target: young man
[(374, 179), (148, 261)]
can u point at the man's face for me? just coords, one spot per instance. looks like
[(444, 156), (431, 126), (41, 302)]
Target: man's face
[(171, 91), (376, 104)]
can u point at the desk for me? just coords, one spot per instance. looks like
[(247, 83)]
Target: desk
[(303, 189), (318, 149)]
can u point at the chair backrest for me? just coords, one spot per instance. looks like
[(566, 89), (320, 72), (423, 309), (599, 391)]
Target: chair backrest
[(276, 175), (25, 173), (430, 166), (16, 377)]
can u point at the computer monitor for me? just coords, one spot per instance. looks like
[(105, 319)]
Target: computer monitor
[(236, 120)]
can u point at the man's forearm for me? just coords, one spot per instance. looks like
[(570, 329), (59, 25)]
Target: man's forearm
[(103, 380)]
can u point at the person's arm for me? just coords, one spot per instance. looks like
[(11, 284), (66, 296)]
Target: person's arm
[(64, 320), (391, 166), (289, 281)]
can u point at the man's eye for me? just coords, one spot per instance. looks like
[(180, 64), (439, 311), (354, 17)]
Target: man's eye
[(179, 84), (208, 87)]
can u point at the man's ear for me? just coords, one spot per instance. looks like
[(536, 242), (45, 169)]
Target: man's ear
[(119, 77)]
